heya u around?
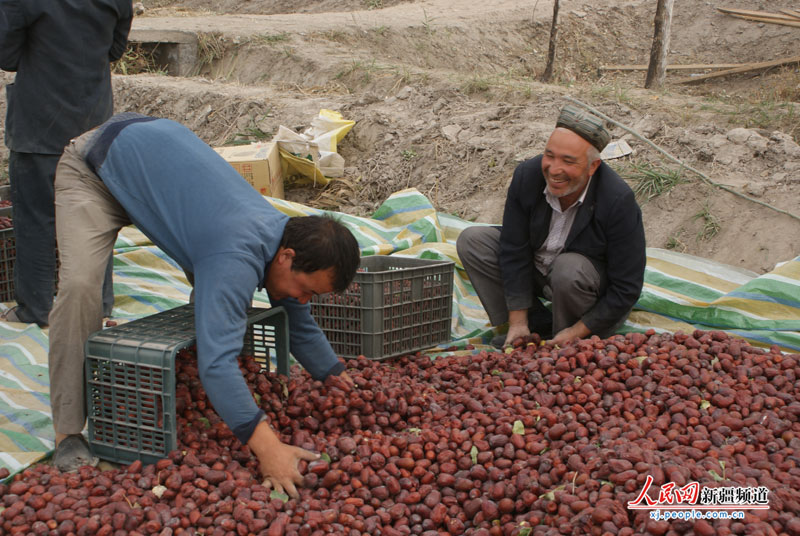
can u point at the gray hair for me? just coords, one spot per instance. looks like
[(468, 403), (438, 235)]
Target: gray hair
[(592, 154)]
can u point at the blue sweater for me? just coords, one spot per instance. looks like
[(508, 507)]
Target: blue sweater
[(193, 205)]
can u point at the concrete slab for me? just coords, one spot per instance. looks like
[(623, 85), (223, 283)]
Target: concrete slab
[(174, 49)]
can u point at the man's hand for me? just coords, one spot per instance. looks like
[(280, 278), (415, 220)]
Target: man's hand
[(567, 335), (278, 461), (343, 381), (517, 326), (515, 332)]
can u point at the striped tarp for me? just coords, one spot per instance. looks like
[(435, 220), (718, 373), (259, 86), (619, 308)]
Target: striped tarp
[(25, 419), (681, 293), (686, 292)]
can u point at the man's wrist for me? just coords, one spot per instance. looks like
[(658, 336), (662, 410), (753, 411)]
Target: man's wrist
[(518, 318), (263, 438)]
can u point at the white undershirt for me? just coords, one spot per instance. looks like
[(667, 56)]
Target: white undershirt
[(560, 224)]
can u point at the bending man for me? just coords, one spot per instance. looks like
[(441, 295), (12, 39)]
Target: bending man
[(192, 204)]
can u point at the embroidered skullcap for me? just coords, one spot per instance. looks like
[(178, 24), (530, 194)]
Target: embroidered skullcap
[(587, 126)]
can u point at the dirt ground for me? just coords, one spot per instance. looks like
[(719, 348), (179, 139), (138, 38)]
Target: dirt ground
[(447, 98)]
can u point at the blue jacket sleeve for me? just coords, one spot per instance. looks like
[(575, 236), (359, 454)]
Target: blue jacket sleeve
[(308, 343), (12, 34), (223, 292)]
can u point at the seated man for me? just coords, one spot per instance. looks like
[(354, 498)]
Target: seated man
[(572, 233), (193, 205)]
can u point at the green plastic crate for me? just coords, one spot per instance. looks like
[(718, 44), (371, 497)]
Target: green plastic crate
[(130, 378), (395, 306)]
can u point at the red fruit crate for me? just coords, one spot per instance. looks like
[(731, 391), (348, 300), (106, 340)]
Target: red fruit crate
[(130, 378), (394, 306)]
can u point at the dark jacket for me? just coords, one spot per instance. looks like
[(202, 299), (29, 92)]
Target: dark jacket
[(608, 230), (60, 50)]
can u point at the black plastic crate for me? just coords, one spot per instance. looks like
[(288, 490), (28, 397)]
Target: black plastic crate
[(130, 378), (8, 254), (395, 306), (8, 258), (5, 200)]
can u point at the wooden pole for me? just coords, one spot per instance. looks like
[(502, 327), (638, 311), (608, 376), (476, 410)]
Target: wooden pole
[(551, 52), (771, 20), (657, 70), (679, 67), (743, 69), (786, 14)]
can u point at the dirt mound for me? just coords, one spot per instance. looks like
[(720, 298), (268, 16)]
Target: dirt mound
[(273, 7), (447, 99)]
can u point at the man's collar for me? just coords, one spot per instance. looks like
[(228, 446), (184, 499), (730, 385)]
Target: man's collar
[(553, 200)]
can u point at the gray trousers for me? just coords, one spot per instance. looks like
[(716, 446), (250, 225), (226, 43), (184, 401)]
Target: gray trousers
[(573, 284), (88, 219)]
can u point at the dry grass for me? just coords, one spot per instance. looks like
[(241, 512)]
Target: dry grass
[(210, 47), (335, 194), (138, 59), (710, 223)]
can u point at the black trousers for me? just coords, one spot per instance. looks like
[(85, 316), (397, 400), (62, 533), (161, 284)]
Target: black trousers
[(33, 213)]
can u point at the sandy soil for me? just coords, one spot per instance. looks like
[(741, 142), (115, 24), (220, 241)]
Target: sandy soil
[(447, 98)]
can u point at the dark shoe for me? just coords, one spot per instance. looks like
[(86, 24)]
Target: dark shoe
[(11, 315), (73, 452), (545, 332)]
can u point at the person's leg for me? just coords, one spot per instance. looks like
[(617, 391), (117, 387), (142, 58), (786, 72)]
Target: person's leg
[(108, 287), (88, 219), (575, 285), (540, 319), (33, 213), (190, 279), (478, 249)]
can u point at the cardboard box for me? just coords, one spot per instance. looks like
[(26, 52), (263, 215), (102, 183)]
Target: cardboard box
[(259, 163)]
